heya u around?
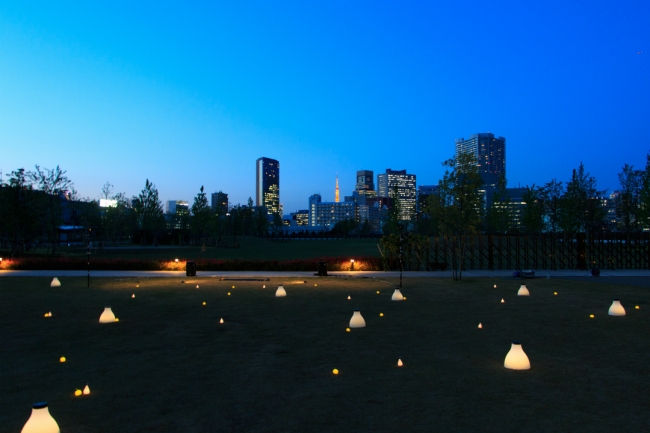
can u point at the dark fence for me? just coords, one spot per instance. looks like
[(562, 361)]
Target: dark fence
[(545, 251)]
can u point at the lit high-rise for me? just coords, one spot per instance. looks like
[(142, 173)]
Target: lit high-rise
[(267, 184), (388, 182), (490, 153)]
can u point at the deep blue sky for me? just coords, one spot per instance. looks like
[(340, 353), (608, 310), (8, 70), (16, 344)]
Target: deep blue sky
[(190, 95)]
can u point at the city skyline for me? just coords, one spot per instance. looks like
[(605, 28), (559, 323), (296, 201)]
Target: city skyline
[(124, 92)]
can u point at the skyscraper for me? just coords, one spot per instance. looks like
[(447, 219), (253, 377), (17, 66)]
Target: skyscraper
[(336, 190), (267, 185), (406, 192), (220, 203), (490, 155), (365, 183)]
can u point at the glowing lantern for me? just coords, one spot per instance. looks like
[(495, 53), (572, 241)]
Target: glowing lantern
[(55, 282), (233, 287), (335, 371), (62, 359), (357, 320), (133, 295), (400, 363), (347, 329), (221, 321), (480, 326), (87, 390), (502, 301), (516, 359), (397, 296), (591, 316), (349, 297), (197, 286), (495, 286), (264, 286), (40, 421), (77, 393), (280, 292), (636, 307), (228, 293), (616, 309), (377, 291), (523, 291), (107, 316)]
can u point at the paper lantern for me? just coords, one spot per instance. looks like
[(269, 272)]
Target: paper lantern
[(516, 359), (77, 393), (280, 292), (55, 282), (502, 301), (480, 326), (523, 291), (397, 296), (40, 421), (400, 363), (87, 390), (335, 371), (62, 359), (616, 309), (221, 320), (349, 297), (107, 316), (357, 320)]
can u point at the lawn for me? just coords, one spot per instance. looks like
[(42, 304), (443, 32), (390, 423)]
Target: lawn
[(169, 366)]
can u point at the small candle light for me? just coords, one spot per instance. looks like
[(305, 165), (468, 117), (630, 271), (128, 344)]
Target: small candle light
[(335, 371), (228, 293), (133, 295), (77, 393), (221, 321), (137, 286), (381, 314), (204, 303), (377, 291), (87, 390), (502, 301), (264, 286), (175, 260), (636, 307), (480, 326), (197, 286), (400, 363), (233, 287), (347, 329), (117, 320), (591, 316), (315, 285), (62, 359), (555, 293), (495, 286), (349, 297)]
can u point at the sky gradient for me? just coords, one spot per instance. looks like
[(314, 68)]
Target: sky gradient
[(190, 95)]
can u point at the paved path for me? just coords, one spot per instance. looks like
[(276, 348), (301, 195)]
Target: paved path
[(572, 274)]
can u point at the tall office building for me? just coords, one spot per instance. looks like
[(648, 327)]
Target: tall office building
[(365, 183), (267, 184), (220, 203), (406, 191), (177, 212), (490, 153)]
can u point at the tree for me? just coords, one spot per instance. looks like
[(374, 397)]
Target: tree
[(19, 212), (532, 218), (201, 215), (628, 200), (261, 225), (391, 226), (459, 207), (499, 218), (644, 196), (581, 209), (149, 213), (551, 194), (54, 185)]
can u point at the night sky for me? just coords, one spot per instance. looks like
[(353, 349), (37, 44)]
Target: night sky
[(191, 95)]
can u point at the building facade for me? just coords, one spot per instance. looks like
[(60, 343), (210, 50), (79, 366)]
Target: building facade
[(177, 213), (219, 203), (490, 153), (405, 184), (267, 184), (327, 214)]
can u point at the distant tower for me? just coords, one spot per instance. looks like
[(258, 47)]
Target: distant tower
[(336, 191), (490, 154), (267, 184)]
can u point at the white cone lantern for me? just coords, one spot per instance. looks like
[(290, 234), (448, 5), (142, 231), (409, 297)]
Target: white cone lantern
[(86, 390), (397, 296), (107, 316), (357, 320), (616, 309), (40, 421), (523, 291), (516, 359), (280, 292), (55, 282)]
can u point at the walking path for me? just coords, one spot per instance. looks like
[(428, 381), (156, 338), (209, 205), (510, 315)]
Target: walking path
[(369, 274)]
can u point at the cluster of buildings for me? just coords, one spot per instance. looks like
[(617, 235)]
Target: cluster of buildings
[(370, 202)]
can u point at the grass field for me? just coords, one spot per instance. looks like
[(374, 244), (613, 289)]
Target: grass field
[(169, 366), (251, 248)]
